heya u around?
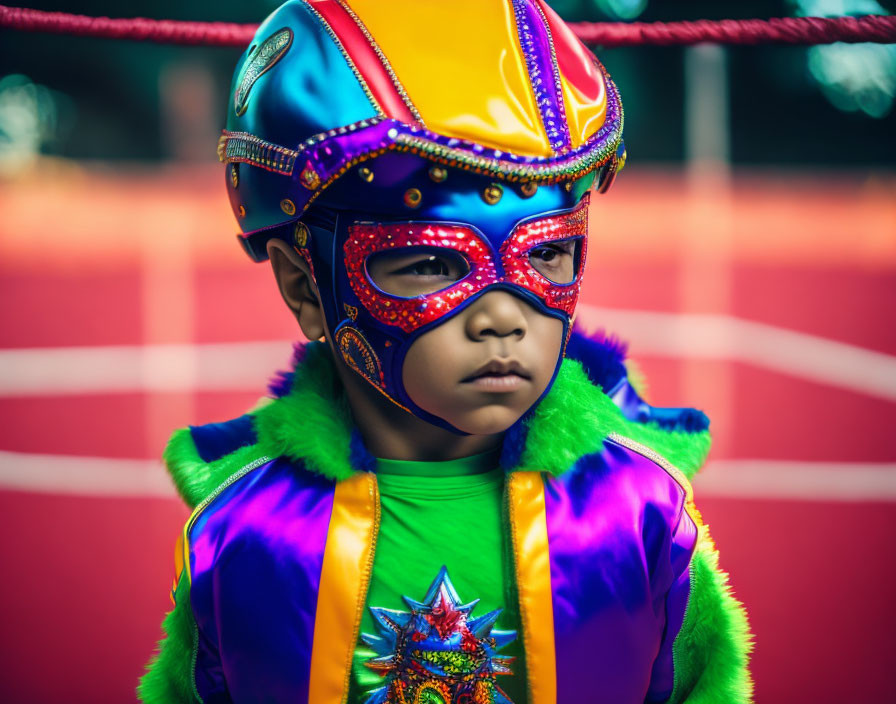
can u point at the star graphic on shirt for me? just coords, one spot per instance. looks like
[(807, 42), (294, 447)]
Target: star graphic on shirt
[(437, 652)]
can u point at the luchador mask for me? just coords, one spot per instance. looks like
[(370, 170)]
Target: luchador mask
[(472, 132)]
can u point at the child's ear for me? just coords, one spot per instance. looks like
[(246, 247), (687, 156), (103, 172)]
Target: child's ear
[(297, 288)]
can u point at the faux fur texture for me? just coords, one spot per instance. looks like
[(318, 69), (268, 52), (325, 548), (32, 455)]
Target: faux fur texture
[(310, 422), (169, 675), (283, 380), (712, 650), (601, 355), (194, 478), (575, 417)]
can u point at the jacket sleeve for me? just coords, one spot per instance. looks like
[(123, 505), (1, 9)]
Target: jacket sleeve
[(169, 676), (711, 649)]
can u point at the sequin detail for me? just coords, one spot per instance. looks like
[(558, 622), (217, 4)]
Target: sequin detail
[(370, 137), (544, 77), (513, 266), (519, 270), (436, 653), (262, 59)]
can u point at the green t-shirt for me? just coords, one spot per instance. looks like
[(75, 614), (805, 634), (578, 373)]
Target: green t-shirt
[(436, 514)]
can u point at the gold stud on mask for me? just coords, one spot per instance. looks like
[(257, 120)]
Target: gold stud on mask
[(300, 234), (528, 189), (413, 197), (492, 193)]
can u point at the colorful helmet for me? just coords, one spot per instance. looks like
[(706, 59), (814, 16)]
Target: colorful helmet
[(475, 126)]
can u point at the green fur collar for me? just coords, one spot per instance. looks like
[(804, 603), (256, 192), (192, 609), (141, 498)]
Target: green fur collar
[(312, 424)]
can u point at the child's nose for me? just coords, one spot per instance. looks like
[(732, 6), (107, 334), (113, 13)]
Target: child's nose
[(498, 314)]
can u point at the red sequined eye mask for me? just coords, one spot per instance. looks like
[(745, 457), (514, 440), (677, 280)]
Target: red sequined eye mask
[(510, 265)]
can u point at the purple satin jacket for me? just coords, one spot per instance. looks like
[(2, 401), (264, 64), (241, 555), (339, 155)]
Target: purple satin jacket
[(276, 560)]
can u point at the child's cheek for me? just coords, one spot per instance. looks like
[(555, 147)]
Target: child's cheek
[(439, 360)]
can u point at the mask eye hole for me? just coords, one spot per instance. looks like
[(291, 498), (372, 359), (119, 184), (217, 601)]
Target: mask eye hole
[(416, 271), (557, 261)]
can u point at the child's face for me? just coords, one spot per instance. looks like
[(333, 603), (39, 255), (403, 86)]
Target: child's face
[(484, 367)]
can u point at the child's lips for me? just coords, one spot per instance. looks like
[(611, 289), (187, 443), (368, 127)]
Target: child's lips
[(498, 382), (499, 375)]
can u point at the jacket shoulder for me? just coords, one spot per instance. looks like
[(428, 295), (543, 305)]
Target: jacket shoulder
[(199, 458), (633, 446)]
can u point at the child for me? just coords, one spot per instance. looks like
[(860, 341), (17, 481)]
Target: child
[(452, 496)]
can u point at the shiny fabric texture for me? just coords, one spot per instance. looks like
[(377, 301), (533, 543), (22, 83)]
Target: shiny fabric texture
[(544, 75), (256, 553), (278, 580), (374, 345), (528, 527), (344, 578), (306, 104), (481, 92), (620, 540), (487, 266), (327, 85), (363, 55)]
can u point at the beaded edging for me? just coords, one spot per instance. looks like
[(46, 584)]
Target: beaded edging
[(555, 68), (400, 89), (348, 59), (248, 149), (451, 151), (670, 469), (550, 105)]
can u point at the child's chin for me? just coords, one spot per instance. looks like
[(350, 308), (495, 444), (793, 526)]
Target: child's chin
[(486, 421)]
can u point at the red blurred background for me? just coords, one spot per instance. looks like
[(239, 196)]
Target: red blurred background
[(756, 285), (767, 302)]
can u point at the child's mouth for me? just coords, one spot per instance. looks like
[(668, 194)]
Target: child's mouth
[(498, 375)]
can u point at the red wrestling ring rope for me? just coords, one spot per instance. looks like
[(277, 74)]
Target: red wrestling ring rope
[(137, 29), (880, 29)]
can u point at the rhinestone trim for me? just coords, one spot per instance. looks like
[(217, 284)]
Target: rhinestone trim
[(670, 468), (382, 57), (550, 104), (555, 68), (348, 59), (246, 148)]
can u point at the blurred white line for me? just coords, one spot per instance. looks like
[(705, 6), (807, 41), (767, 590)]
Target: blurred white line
[(722, 337), (243, 366), (84, 476), (747, 479), (233, 366), (803, 481)]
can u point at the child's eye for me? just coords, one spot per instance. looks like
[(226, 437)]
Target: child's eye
[(431, 266), (416, 271), (556, 261)]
